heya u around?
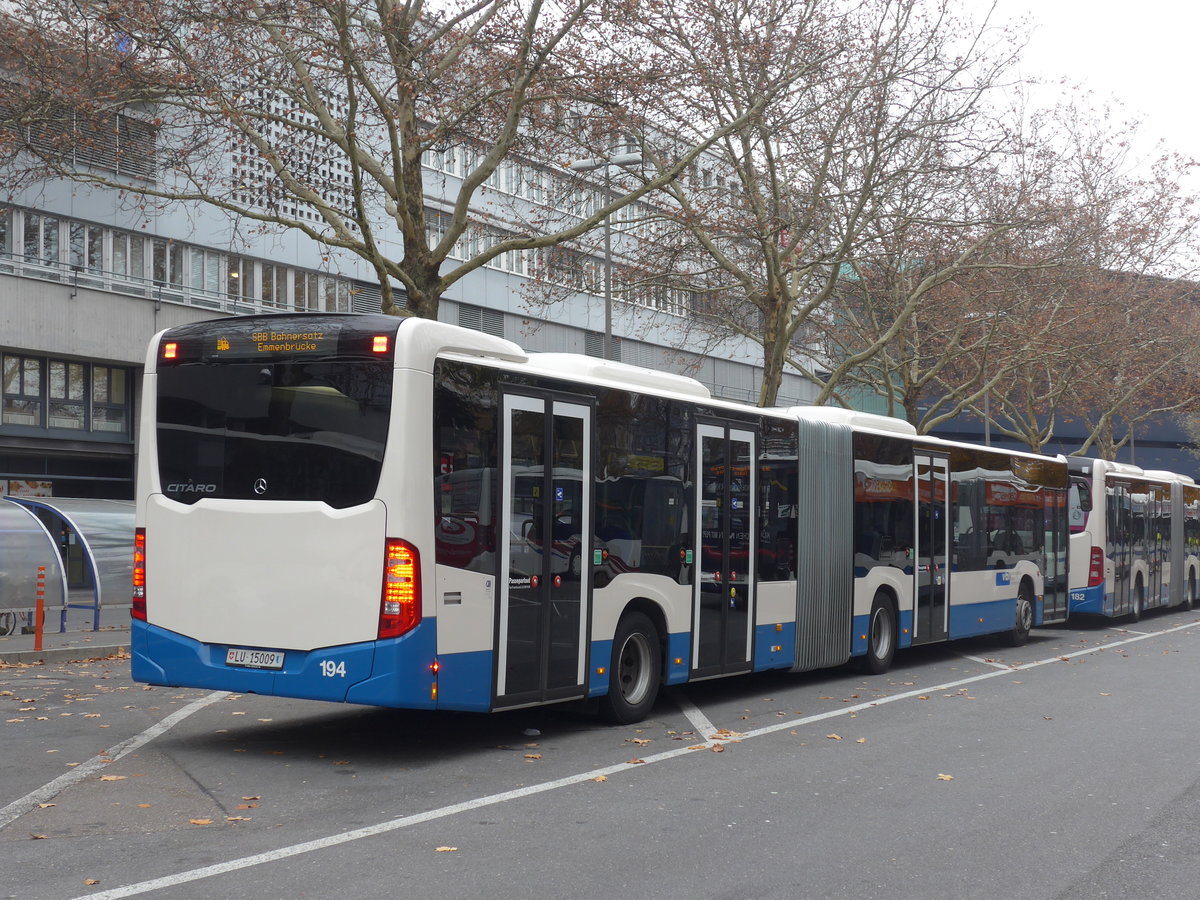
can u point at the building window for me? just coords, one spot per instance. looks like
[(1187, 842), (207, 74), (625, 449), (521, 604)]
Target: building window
[(110, 402), (337, 295), (68, 399), (308, 297), (41, 239), (22, 384), (86, 245), (240, 283), (129, 256), (6, 232), (274, 285), (167, 260), (55, 394), (205, 272)]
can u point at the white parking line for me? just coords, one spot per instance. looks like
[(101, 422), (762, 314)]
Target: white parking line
[(700, 723), (52, 789), (493, 799), (986, 662)]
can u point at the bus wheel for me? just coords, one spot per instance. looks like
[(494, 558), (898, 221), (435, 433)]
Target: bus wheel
[(636, 671), (1189, 593), (1024, 624), (1139, 602), (881, 636)]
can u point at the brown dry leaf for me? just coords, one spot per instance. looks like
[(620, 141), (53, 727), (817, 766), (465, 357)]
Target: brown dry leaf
[(718, 748), (255, 797), (639, 740), (942, 777), (833, 737), (145, 805), (600, 778), (91, 715), (246, 806), (236, 819), (91, 881), (113, 777), (39, 837), (861, 741), (341, 762), (634, 762), (447, 849), (200, 821), (533, 756), (1105, 694)]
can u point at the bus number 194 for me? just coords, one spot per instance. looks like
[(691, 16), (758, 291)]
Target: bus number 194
[(332, 668)]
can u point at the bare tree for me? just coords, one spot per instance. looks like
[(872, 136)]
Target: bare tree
[(325, 116), (1120, 351), (886, 120)]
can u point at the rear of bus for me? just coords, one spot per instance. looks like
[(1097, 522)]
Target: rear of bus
[(264, 561)]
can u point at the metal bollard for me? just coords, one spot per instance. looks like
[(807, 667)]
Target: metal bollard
[(40, 613)]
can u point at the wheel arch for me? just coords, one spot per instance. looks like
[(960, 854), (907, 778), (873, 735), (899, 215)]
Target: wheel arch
[(653, 611)]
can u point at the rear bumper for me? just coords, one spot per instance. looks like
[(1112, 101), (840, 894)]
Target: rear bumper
[(395, 672)]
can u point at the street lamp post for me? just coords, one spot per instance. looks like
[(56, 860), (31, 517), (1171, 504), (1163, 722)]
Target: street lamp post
[(605, 163)]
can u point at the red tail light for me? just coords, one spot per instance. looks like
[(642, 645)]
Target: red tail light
[(400, 608), (1096, 570), (139, 575)]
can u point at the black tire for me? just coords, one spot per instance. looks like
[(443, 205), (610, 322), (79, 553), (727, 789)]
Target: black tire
[(881, 635), (636, 671), (1139, 602), (1189, 591), (1024, 617)]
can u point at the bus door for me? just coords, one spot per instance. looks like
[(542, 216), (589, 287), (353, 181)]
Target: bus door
[(1158, 528), (723, 617), (931, 540), (1120, 544), (546, 503)]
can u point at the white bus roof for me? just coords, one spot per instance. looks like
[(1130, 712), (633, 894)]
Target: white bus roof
[(853, 418), (577, 366)]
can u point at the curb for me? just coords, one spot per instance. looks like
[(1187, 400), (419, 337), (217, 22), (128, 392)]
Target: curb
[(61, 654)]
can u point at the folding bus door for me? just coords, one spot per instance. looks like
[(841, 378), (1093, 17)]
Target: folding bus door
[(723, 619), (546, 509), (931, 562)]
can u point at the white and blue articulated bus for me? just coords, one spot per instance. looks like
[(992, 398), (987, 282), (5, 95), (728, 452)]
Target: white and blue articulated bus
[(1135, 539), (400, 512)]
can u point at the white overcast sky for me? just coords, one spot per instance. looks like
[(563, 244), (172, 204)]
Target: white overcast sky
[(1145, 53)]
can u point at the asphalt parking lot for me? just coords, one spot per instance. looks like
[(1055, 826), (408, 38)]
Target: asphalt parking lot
[(1073, 755)]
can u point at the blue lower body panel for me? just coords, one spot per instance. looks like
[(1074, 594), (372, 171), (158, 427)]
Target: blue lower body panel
[(395, 672), (775, 646), (1091, 601), (972, 619)]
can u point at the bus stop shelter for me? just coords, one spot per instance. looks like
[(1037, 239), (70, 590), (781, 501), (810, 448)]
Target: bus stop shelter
[(92, 548), (29, 562)]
